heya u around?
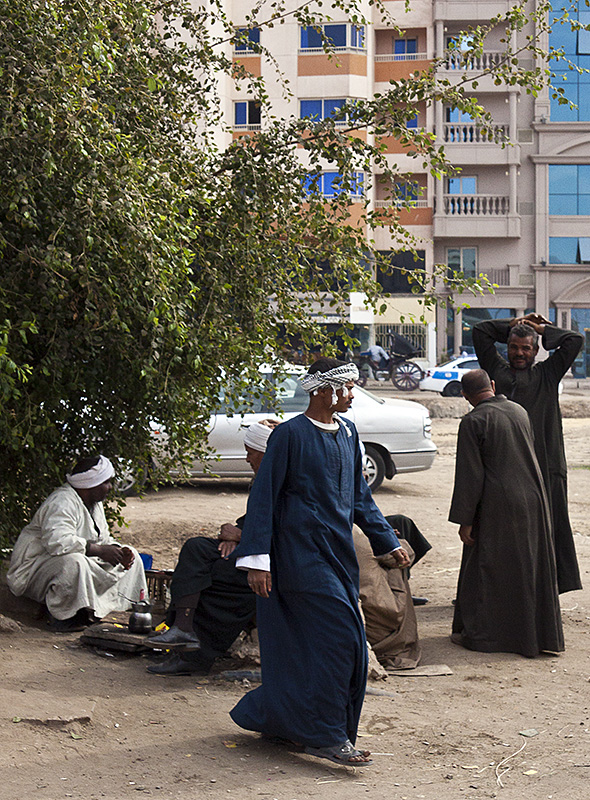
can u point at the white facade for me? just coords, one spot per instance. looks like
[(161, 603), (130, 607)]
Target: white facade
[(495, 219)]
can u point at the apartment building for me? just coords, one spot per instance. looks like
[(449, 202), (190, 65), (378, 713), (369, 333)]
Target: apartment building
[(518, 213)]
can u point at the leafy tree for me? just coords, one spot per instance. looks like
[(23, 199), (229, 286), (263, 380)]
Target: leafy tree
[(138, 258)]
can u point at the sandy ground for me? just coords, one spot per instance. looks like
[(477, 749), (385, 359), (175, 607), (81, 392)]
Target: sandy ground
[(438, 738)]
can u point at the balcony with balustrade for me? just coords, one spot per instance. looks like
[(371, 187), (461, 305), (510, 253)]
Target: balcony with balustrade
[(475, 215), (409, 203), (467, 142), (399, 54)]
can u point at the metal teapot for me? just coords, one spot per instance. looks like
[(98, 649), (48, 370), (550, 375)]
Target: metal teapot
[(140, 619)]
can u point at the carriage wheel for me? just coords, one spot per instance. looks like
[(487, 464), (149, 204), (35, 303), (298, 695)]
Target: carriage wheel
[(407, 376)]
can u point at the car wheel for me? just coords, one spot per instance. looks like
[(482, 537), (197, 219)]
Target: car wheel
[(407, 376), (452, 389), (373, 467)]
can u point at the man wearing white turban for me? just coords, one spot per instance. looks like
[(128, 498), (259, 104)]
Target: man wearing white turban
[(211, 600), (298, 548), (66, 558)]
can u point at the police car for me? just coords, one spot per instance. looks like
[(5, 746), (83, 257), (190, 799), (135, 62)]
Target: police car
[(446, 379)]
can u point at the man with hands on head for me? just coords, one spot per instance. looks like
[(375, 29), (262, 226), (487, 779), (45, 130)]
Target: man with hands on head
[(66, 558), (298, 549), (535, 387)]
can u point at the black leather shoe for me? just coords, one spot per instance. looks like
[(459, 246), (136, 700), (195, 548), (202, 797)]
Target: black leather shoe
[(419, 601), (174, 638), (176, 665), (79, 622)]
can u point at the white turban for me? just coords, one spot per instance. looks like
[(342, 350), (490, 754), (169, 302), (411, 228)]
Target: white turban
[(257, 435), (335, 378), (94, 476)]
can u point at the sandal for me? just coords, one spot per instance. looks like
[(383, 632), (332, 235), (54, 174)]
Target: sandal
[(341, 754)]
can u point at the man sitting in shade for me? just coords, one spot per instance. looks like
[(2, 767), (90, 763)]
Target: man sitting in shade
[(211, 600), (66, 557)]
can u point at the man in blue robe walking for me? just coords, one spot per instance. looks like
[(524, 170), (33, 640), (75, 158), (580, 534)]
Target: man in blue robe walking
[(298, 549)]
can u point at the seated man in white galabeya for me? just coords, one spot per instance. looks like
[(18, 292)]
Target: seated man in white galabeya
[(67, 559)]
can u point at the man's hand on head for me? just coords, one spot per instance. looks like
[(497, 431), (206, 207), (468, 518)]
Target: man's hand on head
[(260, 581), (536, 321)]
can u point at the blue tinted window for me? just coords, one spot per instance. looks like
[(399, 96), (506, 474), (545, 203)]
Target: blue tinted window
[(561, 112), (569, 189), (240, 113), (563, 179), (310, 37), (562, 36), (563, 249), (413, 123), (311, 108), (320, 109), (252, 34), (563, 204), (333, 106), (583, 178), (583, 42), (336, 34), (357, 36), (358, 184), (331, 183), (404, 46), (469, 185), (583, 102)]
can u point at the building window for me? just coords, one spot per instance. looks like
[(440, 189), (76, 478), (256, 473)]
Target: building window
[(569, 250), (569, 189), (245, 38), (404, 49), (330, 184), (463, 184), (339, 37), (395, 282), (462, 259), (406, 194), (247, 115), (321, 109), (576, 48)]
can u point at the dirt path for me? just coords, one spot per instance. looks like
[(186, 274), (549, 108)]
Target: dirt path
[(439, 738)]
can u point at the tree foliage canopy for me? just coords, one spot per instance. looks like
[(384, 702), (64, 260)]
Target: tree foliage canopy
[(138, 258)]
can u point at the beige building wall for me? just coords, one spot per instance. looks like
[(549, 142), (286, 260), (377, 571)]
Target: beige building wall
[(503, 214)]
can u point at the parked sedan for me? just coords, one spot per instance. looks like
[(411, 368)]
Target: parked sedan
[(446, 379), (396, 433)]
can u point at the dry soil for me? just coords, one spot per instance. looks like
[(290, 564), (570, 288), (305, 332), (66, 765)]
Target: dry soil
[(126, 733)]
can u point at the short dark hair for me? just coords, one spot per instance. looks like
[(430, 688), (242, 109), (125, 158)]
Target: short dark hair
[(325, 364), (84, 464), (475, 381), (523, 331)]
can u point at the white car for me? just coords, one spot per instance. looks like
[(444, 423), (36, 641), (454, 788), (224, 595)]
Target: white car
[(396, 433), (446, 379)]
